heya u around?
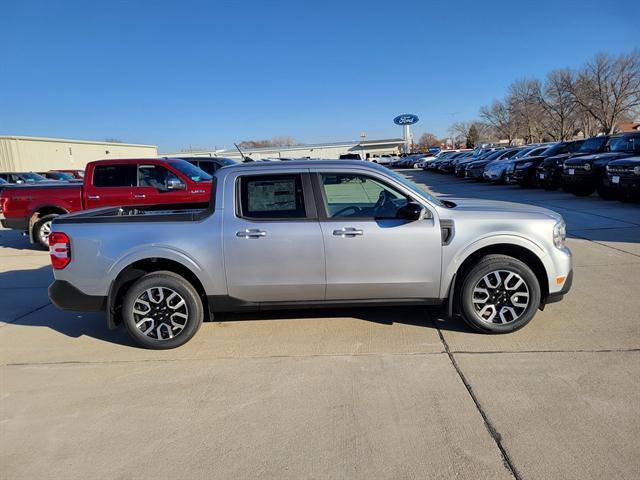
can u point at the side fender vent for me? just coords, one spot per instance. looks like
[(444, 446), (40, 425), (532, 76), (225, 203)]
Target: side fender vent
[(447, 230)]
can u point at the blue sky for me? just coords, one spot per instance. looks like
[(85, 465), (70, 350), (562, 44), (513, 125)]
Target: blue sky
[(208, 73)]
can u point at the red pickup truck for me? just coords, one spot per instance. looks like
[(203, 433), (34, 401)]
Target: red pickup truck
[(107, 183)]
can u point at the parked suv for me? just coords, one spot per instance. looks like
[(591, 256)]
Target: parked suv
[(497, 171), (524, 170), (624, 178), (161, 273), (19, 178), (209, 165), (584, 175), (549, 172)]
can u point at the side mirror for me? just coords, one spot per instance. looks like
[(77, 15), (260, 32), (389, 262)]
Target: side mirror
[(412, 211), (175, 184)]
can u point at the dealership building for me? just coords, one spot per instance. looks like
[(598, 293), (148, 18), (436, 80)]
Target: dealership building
[(28, 154), (364, 148)]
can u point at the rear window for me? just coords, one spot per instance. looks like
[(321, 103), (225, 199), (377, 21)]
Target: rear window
[(115, 175), (272, 196)]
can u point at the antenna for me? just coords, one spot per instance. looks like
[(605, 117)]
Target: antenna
[(244, 159)]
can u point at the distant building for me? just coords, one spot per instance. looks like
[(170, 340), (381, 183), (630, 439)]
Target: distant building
[(24, 154), (365, 148), (628, 127)]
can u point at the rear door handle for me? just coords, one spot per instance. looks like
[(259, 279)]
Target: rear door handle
[(251, 233), (94, 197), (348, 232), (140, 195)]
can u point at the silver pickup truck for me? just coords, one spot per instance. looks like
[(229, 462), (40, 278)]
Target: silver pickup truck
[(307, 234)]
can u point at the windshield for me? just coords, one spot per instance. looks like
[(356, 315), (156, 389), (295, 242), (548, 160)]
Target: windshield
[(3, 181), (494, 155), (593, 144), (624, 144), (523, 152), (31, 177), (62, 176), (191, 171), (228, 161), (415, 188), (553, 149)]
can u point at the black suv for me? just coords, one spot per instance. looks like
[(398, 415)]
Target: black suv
[(524, 170), (624, 178), (582, 175), (549, 172)]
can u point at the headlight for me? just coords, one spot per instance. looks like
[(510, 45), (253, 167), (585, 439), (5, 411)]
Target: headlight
[(587, 166), (559, 234), (636, 170)]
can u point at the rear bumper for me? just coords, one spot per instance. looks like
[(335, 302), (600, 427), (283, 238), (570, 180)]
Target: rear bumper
[(67, 297)]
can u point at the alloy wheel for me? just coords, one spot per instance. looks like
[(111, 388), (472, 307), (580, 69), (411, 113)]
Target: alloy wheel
[(500, 297), (160, 313)]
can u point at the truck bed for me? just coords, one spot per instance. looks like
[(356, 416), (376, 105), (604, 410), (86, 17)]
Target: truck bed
[(152, 213)]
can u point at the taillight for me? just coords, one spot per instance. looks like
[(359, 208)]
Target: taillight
[(59, 250)]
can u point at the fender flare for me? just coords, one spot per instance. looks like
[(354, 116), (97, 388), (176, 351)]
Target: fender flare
[(143, 253), (449, 276)]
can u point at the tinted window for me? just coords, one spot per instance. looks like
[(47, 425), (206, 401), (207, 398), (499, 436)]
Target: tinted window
[(155, 176), (359, 196), (114, 175), (190, 171), (629, 143), (272, 196), (593, 144)]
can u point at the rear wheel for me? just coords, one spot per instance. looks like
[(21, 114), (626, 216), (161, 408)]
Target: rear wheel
[(499, 294), (162, 310), (582, 191), (42, 230)]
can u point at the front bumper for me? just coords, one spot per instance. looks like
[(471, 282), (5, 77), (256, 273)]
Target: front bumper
[(67, 297), (628, 184), (559, 295)]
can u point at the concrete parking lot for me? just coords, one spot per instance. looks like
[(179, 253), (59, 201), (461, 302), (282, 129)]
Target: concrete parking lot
[(350, 393)]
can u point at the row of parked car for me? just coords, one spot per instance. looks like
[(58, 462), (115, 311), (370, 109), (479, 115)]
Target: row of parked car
[(608, 164)]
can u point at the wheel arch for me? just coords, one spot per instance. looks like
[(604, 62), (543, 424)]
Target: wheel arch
[(135, 270), (524, 253), (40, 212)]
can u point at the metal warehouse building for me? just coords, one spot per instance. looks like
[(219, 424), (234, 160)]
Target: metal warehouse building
[(25, 154), (365, 148)]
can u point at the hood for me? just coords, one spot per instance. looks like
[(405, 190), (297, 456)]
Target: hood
[(626, 162), (520, 161), (477, 205), (597, 157)]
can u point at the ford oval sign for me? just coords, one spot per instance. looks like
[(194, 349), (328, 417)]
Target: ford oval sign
[(406, 119)]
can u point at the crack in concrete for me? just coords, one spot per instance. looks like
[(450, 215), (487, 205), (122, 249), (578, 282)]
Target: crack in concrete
[(495, 435), (13, 320)]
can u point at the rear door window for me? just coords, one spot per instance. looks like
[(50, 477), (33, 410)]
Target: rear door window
[(271, 197), (114, 176)]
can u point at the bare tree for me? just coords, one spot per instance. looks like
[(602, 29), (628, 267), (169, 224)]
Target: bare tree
[(607, 87), (428, 140), (284, 141), (529, 115), (558, 104), (500, 116)]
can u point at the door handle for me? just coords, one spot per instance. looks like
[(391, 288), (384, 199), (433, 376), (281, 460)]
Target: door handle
[(251, 233), (94, 197), (140, 195), (348, 232)]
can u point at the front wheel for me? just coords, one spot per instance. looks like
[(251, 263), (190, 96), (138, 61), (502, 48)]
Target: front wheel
[(162, 310), (499, 294)]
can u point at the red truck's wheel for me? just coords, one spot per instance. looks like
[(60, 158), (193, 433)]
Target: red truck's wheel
[(42, 230), (162, 310)]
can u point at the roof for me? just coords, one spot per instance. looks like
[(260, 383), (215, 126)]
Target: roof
[(67, 140), (306, 164)]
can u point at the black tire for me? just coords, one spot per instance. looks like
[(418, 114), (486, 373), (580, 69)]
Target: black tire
[(582, 191), (475, 274), (606, 193), (165, 280), (41, 230)]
